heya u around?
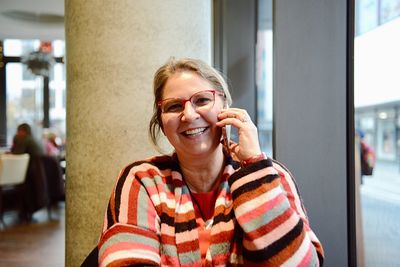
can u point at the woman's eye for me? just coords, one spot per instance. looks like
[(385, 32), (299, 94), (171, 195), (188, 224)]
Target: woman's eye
[(202, 101), (173, 107)]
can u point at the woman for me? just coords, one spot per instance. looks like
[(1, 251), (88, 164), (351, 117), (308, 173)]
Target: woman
[(206, 204)]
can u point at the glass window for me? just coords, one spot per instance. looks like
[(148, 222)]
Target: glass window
[(264, 74), (58, 48), (27, 74), (24, 90), (390, 9), (367, 122), (57, 98), (366, 15), (386, 139), (17, 48), (24, 100)]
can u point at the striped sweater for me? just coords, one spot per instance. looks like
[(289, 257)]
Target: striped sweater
[(259, 219)]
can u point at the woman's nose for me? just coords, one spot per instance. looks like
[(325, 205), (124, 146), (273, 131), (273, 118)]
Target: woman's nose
[(189, 112)]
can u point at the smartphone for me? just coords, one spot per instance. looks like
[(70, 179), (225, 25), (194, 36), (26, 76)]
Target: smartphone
[(226, 136)]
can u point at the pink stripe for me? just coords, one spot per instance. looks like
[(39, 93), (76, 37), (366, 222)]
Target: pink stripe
[(290, 187), (126, 246), (252, 176), (151, 217), (123, 209), (307, 258), (264, 208)]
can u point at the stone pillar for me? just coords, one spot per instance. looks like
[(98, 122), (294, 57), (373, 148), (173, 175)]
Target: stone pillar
[(113, 50)]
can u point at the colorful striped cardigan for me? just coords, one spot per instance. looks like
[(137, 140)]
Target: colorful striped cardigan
[(259, 219)]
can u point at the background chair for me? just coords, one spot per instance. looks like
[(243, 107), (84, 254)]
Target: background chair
[(54, 180), (13, 169)]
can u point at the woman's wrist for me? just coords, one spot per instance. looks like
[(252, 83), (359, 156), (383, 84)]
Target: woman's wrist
[(253, 159)]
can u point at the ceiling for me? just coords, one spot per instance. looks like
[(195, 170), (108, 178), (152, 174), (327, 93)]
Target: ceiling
[(32, 19)]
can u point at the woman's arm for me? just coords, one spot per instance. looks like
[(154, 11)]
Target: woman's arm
[(130, 236), (269, 210)]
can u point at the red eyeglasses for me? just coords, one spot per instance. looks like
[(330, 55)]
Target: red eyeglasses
[(201, 101)]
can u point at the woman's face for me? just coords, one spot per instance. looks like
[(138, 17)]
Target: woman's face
[(191, 132)]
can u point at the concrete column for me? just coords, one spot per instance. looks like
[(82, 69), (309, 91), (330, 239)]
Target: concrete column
[(113, 50)]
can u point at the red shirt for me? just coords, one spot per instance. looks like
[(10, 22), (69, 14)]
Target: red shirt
[(204, 204)]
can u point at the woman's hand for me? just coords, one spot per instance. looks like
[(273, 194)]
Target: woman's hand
[(248, 145)]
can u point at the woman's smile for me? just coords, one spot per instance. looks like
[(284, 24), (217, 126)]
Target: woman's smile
[(194, 132)]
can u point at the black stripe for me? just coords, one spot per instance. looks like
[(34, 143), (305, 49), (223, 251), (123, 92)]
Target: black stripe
[(179, 227), (224, 217), (254, 185), (185, 226), (230, 161), (110, 219), (165, 218), (250, 169), (274, 248), (120, 184), (321, 259), (164, 165)]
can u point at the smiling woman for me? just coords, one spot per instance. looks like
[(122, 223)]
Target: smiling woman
[(206, 204)]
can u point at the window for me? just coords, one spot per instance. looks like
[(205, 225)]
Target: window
[(389, 10), (24, 90), (264, 74)]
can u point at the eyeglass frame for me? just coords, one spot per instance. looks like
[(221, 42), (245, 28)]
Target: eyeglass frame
[(183, 101)]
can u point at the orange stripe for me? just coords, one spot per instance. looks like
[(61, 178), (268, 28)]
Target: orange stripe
[(188, 246), (285, 254), (245, 197), (133, 210)]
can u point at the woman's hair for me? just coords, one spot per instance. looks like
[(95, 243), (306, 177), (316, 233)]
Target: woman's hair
[(171, 67), (25, 128)]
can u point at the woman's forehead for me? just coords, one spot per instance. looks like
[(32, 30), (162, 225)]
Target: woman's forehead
[(183, 84)]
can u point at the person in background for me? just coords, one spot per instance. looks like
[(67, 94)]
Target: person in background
[(367, 156), (206, 204), (24, 142), (35, 196), (51, 144)]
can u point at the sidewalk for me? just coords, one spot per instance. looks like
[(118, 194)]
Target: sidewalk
[(380, 200), (384, 184)]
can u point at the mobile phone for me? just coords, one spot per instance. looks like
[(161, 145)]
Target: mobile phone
[(226, 136)]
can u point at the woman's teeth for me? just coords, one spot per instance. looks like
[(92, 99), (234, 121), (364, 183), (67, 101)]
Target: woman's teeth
[(194, 132)]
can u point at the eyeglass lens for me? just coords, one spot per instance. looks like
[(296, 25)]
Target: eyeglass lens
[(203, 100)]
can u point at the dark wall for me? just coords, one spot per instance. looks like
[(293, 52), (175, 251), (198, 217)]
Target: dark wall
[(312, 118), (234, 49), (3, 117)]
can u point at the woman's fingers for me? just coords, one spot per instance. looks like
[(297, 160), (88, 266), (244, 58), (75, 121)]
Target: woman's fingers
[(236, 114), (248, 144)]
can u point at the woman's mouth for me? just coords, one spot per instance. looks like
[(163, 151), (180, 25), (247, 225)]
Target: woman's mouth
[(194, 132)]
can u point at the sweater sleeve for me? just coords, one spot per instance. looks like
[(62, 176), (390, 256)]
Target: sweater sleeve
[(270, 212), (130, 235)]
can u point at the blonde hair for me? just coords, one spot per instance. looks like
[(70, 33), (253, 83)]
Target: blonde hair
[(167, 70)]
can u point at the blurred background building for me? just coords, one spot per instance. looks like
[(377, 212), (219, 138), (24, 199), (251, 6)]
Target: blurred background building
[(376, 77)]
